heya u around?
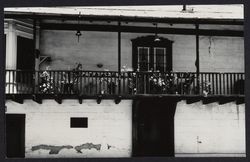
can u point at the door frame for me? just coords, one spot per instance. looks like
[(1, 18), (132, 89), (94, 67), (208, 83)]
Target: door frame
[(148, 41)]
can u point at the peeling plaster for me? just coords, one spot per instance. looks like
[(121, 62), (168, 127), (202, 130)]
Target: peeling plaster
[(88, 146), (109, 146), (57, 149), (53, 149)]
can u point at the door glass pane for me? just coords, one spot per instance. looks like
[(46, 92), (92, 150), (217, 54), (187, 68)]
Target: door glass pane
[(143, 58), (159, 59)]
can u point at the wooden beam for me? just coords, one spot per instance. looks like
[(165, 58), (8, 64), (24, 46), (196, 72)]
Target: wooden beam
[(37, 99), (80, 98), (192, 100), (139, 29), (118, 100), (99, 99), (17, 98), (240, 100), (124, 18), (224, 100), (58, 99), (209, 100)]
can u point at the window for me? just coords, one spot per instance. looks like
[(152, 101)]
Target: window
[(149, 55), (79, 122)]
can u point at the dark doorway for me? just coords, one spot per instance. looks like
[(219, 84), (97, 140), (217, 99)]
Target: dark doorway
[(25, 54), (25, 64), (15, 131), (154, 127)]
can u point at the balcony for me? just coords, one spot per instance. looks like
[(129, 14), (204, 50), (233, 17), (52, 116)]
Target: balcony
[(127, 84)]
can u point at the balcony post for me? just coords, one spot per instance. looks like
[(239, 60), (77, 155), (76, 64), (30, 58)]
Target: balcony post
[(36, 35), (119, 57), (11, 57), (197, 62)]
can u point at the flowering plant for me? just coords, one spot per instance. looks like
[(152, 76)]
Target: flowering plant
[(162, 83), (132, 83), (206, 86), (46, 84)]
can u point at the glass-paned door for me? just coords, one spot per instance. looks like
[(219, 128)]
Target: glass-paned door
[(160, 59), (151, 59)]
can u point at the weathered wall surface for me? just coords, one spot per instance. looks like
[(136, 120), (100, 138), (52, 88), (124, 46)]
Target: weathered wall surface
[(217, 54), (210, 130), (200, 130), (109, 132)]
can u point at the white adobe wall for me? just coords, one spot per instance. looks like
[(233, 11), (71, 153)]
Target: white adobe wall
[(109, 125), (217, 54), (210, 130)]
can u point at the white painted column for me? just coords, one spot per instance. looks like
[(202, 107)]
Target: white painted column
[(11, 47), (11, 58)]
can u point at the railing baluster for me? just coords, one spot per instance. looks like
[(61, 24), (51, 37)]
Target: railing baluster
[(177, 83), (222, 84), (97, 78), (84, 83), (209, 81), (212, 84), (194, 81), (201, 84), (80, 82), (228, 83), (234, 83), (10, 82), (231, 83)]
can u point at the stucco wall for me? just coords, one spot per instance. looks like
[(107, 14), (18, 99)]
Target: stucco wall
[(109, 132), (200, 130), (217, 54), (210, 130)]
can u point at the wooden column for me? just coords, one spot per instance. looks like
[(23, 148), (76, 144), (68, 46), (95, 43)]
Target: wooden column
[(36, 53), (119, 57), (36, 38), (197, 62)]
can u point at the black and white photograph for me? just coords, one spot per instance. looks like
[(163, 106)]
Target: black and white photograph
[(125, 81)]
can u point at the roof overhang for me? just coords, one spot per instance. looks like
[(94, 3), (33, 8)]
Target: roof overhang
[(198, 14)]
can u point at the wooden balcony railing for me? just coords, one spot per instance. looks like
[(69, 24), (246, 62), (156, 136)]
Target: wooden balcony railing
[(127, 83)]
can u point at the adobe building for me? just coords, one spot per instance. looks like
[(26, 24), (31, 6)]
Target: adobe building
[(125, 81)]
